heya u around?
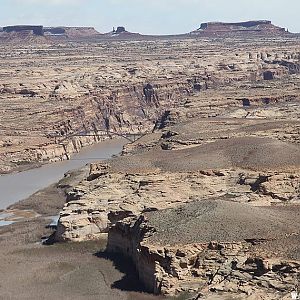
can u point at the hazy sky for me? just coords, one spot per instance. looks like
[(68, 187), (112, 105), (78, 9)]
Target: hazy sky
[(148, 16)]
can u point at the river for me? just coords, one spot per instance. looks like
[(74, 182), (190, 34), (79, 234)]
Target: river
[(19, 186)]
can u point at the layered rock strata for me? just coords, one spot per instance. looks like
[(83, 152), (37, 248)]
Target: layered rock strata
[(37, 30), (83, 95)]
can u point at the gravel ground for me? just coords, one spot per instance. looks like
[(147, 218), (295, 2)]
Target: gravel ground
[(253, 153), (223, 221)]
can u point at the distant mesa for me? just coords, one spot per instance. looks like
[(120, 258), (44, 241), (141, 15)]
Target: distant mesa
[(39, 30), (22, 33), (39, 33), (261, 26), (71, 31), (35, 29)]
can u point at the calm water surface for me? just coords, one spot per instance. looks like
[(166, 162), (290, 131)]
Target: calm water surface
[(18, 186)]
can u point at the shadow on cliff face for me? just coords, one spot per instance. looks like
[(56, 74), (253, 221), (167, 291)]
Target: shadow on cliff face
[(130, 281)]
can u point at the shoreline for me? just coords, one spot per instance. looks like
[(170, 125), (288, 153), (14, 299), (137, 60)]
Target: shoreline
[(33, 203), (38, 164), (21, 169), (35, 179), (21, 242)]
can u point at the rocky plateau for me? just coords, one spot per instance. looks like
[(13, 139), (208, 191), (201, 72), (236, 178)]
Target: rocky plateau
[(206, 201)]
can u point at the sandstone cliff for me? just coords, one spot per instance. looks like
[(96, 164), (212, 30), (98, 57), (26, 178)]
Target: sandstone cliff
[(254, 161)]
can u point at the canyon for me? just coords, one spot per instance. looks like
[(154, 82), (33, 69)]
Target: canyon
[(205, 202)]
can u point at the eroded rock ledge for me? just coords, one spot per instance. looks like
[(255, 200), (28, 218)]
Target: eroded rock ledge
[(213, 246)]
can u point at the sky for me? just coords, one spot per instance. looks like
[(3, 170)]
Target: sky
[(147, 16)]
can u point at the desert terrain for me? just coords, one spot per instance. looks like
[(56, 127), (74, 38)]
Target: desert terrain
[(203, 205)]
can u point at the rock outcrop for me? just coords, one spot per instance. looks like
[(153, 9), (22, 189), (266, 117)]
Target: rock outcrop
[(130, 186), (208, 247), (120, 33), (119, 30), (220, 157)]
